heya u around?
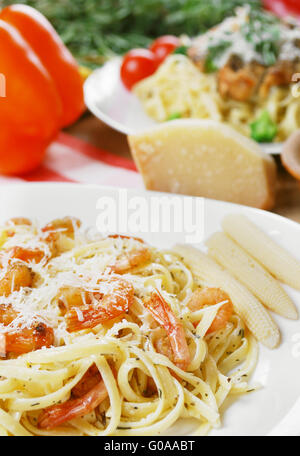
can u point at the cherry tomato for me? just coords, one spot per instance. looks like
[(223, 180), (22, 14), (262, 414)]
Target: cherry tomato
[(283, 7), (293, 5), (164, 46), (137, 65)]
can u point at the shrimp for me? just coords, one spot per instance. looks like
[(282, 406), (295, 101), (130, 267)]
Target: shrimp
[(278, 75), (129, 260), (55, 230), (22, 340), (239, 81), (162, 345), (19, 221), (7, 314), (26, 255), (66, 225), (110, 304), (87, 382), (164, 316), (57, 414), (69, 297), (17, 275), (204, 297), (16, 221)]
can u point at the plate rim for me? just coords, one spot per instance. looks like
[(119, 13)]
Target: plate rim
[(91, 104), (153, 192)]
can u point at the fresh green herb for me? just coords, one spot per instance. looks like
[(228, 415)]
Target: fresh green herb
[(175, 115), (263, 32), (181, 50), (269, 52), (214, 52), (210, 66), (263, 129), (96, 29)]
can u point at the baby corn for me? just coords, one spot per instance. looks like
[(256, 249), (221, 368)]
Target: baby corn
[(276, 259), (248, 271), (246, 305)]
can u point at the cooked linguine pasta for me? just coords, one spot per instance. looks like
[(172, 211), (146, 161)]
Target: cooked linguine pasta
[(109, 336), (179, 87)]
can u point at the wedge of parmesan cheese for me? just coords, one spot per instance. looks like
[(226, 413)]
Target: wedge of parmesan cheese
[(205, 158)]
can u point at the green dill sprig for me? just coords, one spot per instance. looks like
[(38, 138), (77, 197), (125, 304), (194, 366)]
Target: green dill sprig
[(214, 52), (96, 29), (263, 32)]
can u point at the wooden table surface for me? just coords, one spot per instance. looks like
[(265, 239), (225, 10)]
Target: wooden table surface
[(92, 130)]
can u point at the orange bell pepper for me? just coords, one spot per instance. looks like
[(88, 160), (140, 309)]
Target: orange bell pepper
[(30, 112), (20, 154), (56, 58)]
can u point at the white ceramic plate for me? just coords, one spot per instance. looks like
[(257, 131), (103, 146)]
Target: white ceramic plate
[(275, 408), (108, 99)]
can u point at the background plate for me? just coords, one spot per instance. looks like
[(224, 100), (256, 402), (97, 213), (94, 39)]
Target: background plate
[(108, 99), (275, 408)]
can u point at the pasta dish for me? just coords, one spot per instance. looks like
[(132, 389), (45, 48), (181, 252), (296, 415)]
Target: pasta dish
[(240, 72), (110, 336)]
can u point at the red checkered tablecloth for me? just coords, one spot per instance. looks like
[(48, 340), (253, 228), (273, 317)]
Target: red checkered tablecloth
[(70, 159)]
